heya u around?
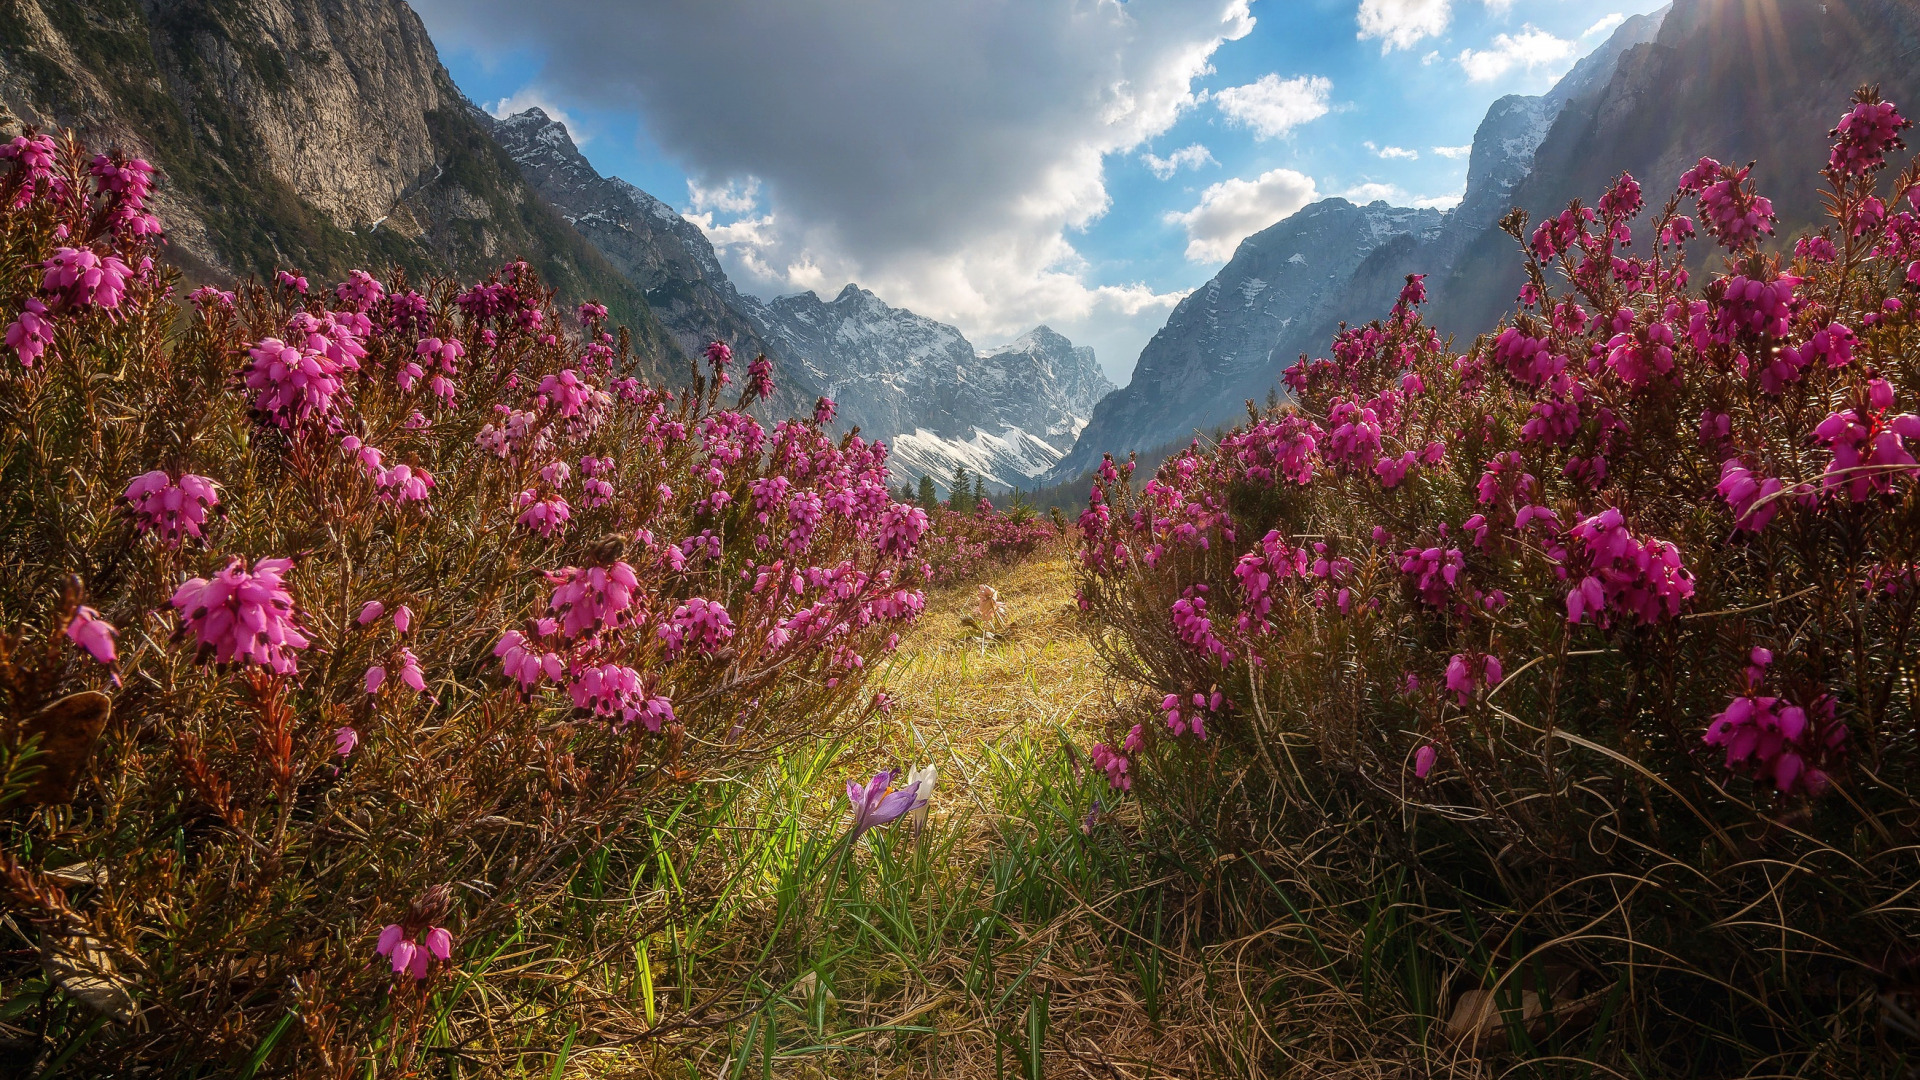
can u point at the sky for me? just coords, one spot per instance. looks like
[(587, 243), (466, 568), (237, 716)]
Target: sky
[(997, 164)]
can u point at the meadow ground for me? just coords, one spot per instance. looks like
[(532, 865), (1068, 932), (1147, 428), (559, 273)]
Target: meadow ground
[(1001, 941)]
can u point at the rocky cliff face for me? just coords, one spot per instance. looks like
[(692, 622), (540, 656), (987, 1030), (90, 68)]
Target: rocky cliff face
[(1006, 416), (1287, 290), (1723, 78), (320, 134)]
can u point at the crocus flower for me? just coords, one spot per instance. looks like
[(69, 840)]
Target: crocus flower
[(92, 633), (920, 782), (877, 803)]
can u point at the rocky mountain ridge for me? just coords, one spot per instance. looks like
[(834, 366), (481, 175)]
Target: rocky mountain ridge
[(318, 134), (1289, 287), (1005, 415)]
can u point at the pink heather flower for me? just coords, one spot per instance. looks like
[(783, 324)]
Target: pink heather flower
[(1626, 575), (403, 484), (286, 280), (760, 379), (824, 410), (547, 516), (1785, 743), (877, 803), (1741, 490), (1864, 136), (402, 618), (1815, 248), (409, 957), (719, 354), (594, 599), (361, 290), (171, 510), (242, 617), (410, 673), (1465, 678), (1638, 356), (35, 157), (595, 492), (700, 622), (344, 740), (292, 385), (1436, 572), (901, 527), (93, 633), (1114, 763), (1732, 212), (1869, 447), (370, 612), (1423, 760), (81, 278), (31, 333), (376, 677), (525, 663)]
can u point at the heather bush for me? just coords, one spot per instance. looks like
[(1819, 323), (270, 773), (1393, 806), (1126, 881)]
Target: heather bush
[(348, 630), (961, 546), (1593, 640)]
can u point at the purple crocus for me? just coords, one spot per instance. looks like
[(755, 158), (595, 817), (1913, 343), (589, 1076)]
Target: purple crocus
[(876, 803)]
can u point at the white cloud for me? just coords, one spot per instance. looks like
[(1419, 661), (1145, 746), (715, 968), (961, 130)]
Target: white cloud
[(1399, 24), (1187, 157), (1393, 153), (939, 154), (732, 197), (1531, 48), (1232, 210), (1274, 106), (535, 97), (1454, 152), (1604, 26), (1399, 196)]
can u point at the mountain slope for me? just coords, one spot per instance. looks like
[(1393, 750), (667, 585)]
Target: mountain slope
[(1005, 415), (319, 134), (1231, 338), (664, 254), (1229, 341), (1725, 78)]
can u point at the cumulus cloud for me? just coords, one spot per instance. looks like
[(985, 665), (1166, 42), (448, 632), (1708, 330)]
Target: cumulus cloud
[(938, 154), (1232, 210), (1273, 106), (1187, 157), (1400, 24), (534, 97), (732, 197), (1531, 48), (1604, 26), (1454, 152), (1392, 153)]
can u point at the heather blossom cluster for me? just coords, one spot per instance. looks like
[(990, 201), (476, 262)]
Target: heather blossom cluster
[(1608, 469), (340, 496)]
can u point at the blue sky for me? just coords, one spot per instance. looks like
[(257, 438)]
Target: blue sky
[(1000, 163)]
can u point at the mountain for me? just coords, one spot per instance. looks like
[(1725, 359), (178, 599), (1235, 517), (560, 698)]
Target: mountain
[(664, 254), (318, 134), (1007, 415), (1229, 339), (1723, 78), (1288, 288)]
